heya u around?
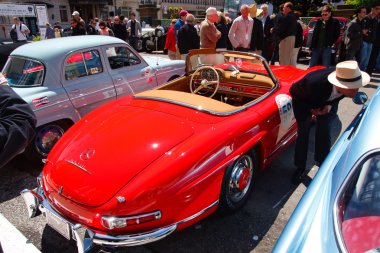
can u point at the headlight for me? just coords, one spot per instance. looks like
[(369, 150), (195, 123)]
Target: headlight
[(111, 222)]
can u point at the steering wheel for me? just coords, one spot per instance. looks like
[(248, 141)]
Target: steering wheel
[(203, 83)]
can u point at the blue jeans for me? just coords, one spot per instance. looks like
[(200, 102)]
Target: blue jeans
[(317, 53), (365, 54)]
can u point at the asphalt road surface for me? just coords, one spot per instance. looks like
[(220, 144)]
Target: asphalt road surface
[(254, 228)]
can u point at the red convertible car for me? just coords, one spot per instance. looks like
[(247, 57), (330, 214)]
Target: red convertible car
[(138, 169)]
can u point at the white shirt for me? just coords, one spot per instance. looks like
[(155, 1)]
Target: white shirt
[(240, 32), (20, 36)]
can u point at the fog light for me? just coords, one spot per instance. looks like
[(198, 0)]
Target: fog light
[(111, 222)]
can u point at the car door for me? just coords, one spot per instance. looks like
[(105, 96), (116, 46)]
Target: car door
[(130, 73), (86, 82)]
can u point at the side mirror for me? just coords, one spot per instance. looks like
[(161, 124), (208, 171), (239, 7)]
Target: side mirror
[(360, 98)]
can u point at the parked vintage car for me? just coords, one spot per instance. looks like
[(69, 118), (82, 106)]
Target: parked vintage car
[(63, 79), (340, 211), (152, 39), (137, 169), (308, 35)]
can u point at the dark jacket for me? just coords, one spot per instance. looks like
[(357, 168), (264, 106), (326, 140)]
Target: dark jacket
[(257, 37), (299, 36), (120, 31), (370, 24), (187, 39), (312, 92), (17, 124), (353, 37), (91, 30), (268, 25), (222, 42), (287, 26), (78, 30), (332, 32)]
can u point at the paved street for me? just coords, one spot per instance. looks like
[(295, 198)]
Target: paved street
[(254, 228)]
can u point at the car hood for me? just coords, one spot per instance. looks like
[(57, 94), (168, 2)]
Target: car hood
[(92, 162)]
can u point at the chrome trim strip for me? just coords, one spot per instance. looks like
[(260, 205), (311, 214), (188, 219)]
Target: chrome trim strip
[(280, 146), (78, 165)]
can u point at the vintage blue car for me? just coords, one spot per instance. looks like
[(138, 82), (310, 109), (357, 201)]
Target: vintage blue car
[(340, 211), (64, 79)]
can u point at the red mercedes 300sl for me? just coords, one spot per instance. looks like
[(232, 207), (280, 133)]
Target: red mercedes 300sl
[(139, 168)]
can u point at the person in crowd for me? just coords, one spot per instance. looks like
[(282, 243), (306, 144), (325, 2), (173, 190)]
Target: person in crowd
[(370, 24), (104, 30), (319, 93), (57, 29), (198, 26), (222, 27), (354, 35), (77, 28), (97, 23), (91, 28), (209, 35), (376, 44), (229, 24), (241, 30), (276, 39), (21, 29), (267, 34), (50, 34), (119, 29), (170, 43), (287, 30), (257, 35), (109, 23), (187, 37), (17, 123), (326, 33), (180, 22), (299, 39), (135, 30), (80, 20)]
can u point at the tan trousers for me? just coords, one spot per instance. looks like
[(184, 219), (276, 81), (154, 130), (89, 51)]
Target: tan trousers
[(294, 56), (286, 47)]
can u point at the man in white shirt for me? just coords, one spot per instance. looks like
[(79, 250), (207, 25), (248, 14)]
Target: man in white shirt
[(21, 29), (241, 30)]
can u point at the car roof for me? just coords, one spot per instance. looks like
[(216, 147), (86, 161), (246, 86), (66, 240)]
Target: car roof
[(53, 48)]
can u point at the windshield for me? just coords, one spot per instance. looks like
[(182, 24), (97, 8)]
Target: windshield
[(22, 72)]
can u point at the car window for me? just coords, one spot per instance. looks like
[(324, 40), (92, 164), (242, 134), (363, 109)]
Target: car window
[(359, 207), (22, 72), (119, 57), (83, 64)]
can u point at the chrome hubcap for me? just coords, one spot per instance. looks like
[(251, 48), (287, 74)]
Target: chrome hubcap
[(241, 178)]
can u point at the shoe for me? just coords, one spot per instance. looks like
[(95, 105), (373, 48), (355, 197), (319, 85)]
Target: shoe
[(298, 176)]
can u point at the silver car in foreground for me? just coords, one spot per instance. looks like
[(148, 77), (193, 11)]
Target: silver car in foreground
[(64, 79), (340, 211)]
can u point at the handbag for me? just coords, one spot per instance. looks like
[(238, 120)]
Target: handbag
[(13, 33)]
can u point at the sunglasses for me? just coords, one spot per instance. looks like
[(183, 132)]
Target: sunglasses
[(324, 15)]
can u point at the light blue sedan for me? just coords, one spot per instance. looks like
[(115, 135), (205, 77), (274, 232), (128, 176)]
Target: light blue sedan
[(340, 211), (64, 79)]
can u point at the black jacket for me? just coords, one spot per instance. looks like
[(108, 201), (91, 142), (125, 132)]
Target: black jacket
[(370, 24), (257, 37), (120, 31), (17, 124), (268, 25), (299, 36), (187, 39), (312, 92), (78, 30), (287, 26), (222, 42), (332, 32), (91, 30)]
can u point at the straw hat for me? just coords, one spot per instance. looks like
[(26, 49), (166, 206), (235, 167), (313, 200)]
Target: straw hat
[(348, 76), (253, 11)]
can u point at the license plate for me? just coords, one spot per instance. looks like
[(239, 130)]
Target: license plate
[(58, 224)]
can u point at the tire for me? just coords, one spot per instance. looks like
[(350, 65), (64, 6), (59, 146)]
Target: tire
[(238, 182), (46, 137), (139, 45)]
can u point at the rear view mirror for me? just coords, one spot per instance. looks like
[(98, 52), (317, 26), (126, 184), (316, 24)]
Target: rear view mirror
[(360, 98)]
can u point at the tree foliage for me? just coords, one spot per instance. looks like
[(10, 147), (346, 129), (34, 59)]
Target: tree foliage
[(358, 3), (304, 6)]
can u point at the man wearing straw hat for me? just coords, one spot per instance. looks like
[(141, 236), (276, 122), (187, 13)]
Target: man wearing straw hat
[(257, 36), (319, 93)]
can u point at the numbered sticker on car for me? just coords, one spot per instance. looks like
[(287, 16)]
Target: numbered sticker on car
[(285, 109)]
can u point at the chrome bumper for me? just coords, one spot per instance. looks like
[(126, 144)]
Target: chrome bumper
[(86, 238)]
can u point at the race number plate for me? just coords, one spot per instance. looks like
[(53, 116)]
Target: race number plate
[(58, 224)]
